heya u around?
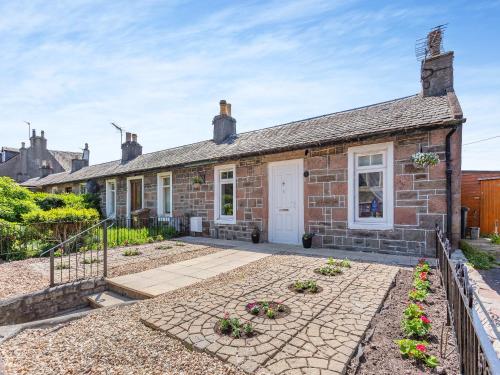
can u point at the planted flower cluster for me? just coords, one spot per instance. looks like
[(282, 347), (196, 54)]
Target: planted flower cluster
[(415, 323), (334, 267), (233, 327), (271, 310), (306, 286)]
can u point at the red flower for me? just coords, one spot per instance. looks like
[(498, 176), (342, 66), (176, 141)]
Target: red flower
[(425, 319), (423, 276), (421, 348)]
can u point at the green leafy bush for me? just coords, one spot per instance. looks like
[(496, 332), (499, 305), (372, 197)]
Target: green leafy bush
[(15, 200), (417, 350), (495, 239), (62, 215)]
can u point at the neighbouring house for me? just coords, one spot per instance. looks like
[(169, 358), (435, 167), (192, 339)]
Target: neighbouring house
[(36, 161), (481, 195), (348, 177)]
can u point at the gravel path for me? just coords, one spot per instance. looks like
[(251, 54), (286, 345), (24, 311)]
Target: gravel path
[(25, 276), (114, 341)]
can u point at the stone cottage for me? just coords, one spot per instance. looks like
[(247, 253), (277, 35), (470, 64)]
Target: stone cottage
[(37, 161), (348, 176)]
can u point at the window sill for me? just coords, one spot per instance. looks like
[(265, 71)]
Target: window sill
[(368, 226), (225, 221)]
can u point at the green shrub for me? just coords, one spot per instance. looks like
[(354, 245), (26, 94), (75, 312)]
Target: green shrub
[(495, 239), (15, 200), (131, 252), (477, 258)]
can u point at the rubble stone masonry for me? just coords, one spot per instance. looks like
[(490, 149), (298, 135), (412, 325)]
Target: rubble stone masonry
[(419, 196)]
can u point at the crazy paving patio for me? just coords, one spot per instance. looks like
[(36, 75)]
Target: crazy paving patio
[(318, 335)]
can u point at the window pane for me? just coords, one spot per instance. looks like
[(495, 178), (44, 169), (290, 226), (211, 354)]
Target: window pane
[(226, 175), (166, 200), (112, 202), (226, 199), (377, 159), (364, 161), (371, 194)]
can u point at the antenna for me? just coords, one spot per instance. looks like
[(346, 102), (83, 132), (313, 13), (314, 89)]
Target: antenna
[(120, 129), (29, 128), (432, 44)]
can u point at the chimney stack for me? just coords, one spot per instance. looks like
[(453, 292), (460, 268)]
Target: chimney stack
[(224, 124), (131, 148), (77, 164), (437, 67)]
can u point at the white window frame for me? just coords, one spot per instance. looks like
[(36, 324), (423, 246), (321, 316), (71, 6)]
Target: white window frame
[(54, 190), (84, 190), (387, 150), (108, 197), (218, 217), (128, 192), (159, 194)]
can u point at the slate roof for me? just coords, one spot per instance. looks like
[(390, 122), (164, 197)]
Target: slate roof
[(64, 157), (397, 115)]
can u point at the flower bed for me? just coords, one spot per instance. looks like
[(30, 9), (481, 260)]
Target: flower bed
[(268, 309), (333, 267), (305, 287), (227, 326)]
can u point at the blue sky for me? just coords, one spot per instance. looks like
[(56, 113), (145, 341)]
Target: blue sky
[(159, 68)]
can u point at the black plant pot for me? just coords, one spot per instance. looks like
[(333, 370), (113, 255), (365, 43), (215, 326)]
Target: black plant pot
[(307, 243), (256, 237)]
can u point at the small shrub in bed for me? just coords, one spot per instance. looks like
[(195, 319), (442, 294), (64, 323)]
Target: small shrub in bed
[(131, 252), (233, 327), (62, 266), (415, 323), (91, 261), (268, 309), (306, 286)]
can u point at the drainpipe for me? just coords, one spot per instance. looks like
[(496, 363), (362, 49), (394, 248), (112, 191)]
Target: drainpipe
[(449, 172)]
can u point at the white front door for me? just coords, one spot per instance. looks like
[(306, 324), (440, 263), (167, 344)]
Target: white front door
[(286, 201)]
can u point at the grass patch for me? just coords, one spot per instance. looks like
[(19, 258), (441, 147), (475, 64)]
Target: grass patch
[(479, 259), (495, 239), (131, 252)]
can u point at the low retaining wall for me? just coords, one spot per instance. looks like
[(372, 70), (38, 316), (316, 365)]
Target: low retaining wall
[(49, 302)]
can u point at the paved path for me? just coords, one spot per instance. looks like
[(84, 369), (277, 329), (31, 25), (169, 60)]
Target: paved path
[(173, 276), (318, 336)]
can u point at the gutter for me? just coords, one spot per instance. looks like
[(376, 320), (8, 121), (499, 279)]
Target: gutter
[(449, 172)]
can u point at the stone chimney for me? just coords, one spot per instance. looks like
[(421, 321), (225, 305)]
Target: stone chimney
[(45, 169), (77, 164), (437, 67), (224, 124), (131, 148)]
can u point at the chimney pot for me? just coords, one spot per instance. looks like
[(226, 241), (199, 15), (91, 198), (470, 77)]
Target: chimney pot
[(23, 145), (434, 39), (223, 108), (33, 133), (128, 136), (228, 106), (42, 133), (134, 137)]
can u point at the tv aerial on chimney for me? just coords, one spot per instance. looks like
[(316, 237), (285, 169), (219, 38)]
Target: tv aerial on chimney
[(432, 44), (29, 128), (120, 129)]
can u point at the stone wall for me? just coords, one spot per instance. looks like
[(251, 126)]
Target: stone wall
[(48, 302), (419, 195)]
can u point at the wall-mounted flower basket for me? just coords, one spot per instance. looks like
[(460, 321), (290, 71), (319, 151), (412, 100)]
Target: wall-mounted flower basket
[(197, 181), (425, 159)]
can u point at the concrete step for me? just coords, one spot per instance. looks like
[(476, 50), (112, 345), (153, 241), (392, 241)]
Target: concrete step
[(106, 299), (127, 291)]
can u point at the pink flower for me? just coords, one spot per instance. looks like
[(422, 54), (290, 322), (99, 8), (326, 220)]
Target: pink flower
[(423, 276), (421, 348), (420, 306), (425, 319), (226, 315)]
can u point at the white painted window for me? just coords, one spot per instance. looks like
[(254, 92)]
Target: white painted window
[(371, 186), (135, 193), (164, 194), (54, 190), (83, 188), (225, 194), (110, 198)]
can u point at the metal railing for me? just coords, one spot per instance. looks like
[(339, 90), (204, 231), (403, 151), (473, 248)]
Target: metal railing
[(85, 255), (477, 356)]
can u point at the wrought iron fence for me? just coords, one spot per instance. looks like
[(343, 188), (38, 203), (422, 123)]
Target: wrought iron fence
[(85, 255), (477, 356)]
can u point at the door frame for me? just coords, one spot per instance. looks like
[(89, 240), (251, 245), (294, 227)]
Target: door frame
[(299, 163)]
